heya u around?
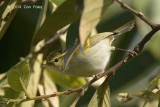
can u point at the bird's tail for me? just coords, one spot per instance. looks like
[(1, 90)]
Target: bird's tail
[(125, 28)]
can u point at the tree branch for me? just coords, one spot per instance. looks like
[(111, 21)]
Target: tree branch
[(138, 14), (51, 40), (47, 43)]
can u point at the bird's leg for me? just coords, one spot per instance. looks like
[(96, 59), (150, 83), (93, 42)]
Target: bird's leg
[(125, 50)]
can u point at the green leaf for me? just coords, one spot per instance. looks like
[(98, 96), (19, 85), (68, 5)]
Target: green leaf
[(12, 94), (72, 41), (91, 16), (35, 76), (57, 20), (101, 98), (42, 15), (65, 80), (72, 34), (18, 37), (58, 2), (7, 15), (50, 87), (155, 80), (18, 76)]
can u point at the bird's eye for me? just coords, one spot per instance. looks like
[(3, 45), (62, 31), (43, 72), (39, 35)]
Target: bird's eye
[(56, 60)]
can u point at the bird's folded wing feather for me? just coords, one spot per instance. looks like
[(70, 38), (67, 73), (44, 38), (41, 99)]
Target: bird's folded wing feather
[(98, 37)]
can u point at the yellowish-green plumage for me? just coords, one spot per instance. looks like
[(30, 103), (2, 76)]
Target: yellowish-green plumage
[(93, 60)]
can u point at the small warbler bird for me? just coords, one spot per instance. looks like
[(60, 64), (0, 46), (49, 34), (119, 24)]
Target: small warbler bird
[(94, 58)]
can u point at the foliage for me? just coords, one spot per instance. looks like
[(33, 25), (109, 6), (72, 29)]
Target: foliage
[(25, 29)]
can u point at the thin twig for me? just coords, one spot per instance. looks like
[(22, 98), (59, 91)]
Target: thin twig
[(47, 43), (1, 2), (139, 14), (51, 40), (141, 44), (128, 97)]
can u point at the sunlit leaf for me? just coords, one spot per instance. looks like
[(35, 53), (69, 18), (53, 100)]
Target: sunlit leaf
[(35, 76), (7, 15), (91, 16), (19, 72), (155, 80), (3, 79), (50, 87), (65, 80), (57, 20), (101, 98)]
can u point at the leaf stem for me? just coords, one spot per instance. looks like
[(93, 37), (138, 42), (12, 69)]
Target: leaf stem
[(25, 90)]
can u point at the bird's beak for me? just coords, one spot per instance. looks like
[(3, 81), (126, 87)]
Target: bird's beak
[(44, 65)]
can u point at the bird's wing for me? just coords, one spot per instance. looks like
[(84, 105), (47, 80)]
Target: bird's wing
[(69, 54), (98, 37), (91, 41)]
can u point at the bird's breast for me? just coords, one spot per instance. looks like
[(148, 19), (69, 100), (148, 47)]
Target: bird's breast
[(92, 61)]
